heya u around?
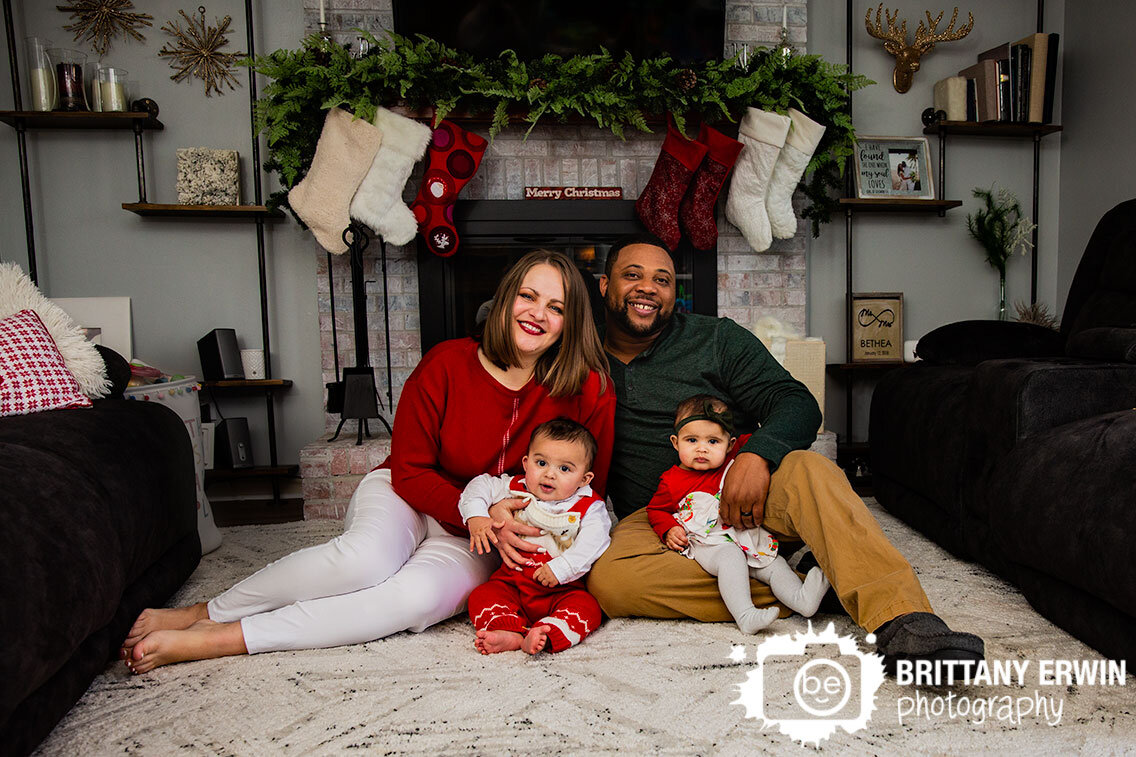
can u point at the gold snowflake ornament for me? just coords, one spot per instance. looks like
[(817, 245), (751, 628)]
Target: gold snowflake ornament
[(99, 21), (197, 52)]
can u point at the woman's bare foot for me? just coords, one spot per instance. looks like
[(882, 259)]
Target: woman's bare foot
[(535, 639), (172, 619), (204, 640), (492, 642)]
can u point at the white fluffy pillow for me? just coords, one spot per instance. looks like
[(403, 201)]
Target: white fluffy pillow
[(17, 292)]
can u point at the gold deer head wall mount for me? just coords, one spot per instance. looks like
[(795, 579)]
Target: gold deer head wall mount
[(907, 56)]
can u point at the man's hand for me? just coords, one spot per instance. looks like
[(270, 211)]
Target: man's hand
[(676, 539), (509, 532), (545, 575), (481, 536), (744, 491)]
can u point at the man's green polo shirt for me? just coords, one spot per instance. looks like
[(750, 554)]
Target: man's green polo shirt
[(697, 354)]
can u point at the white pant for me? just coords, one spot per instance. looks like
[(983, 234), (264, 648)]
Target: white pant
[(391, 570)]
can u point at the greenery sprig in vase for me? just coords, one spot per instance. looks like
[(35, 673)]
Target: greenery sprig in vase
[(1001, 229)]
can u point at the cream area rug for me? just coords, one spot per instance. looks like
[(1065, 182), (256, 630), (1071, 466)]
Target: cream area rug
[(635, 686)]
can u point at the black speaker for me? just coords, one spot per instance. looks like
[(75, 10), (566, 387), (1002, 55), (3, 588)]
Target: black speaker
[(231, 444), (220, 356)]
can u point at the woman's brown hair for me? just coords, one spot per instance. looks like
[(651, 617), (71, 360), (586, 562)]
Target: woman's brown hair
[(564, 367)]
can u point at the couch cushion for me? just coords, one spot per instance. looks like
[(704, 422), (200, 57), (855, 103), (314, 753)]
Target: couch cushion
[(971, 342), (1061, 503)]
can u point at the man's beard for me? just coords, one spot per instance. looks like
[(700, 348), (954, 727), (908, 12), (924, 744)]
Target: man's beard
[(618, 311)]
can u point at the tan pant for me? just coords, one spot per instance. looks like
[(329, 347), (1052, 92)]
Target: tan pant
[(809, 500)]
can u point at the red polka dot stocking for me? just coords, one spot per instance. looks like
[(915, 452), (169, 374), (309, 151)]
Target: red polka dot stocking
[(452, 159), (658, 204)]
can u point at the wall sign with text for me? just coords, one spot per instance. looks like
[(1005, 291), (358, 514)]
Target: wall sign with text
[(894, 167), (877, 327), (573, 193)]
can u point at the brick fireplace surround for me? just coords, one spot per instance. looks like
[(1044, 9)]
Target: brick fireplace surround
[(750, 285)]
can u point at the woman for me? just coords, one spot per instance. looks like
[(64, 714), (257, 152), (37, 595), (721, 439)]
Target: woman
[(403, 561)]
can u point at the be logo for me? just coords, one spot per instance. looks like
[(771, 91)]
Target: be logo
[(809, 684)]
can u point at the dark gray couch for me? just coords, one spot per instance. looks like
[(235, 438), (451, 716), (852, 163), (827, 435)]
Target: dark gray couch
[(99, 522), (1015, 446)]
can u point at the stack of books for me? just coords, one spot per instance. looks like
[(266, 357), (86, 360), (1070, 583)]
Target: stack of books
[(1012, 82)]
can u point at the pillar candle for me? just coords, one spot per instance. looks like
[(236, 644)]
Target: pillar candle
[(323, 19), (43, 88), (113, 95)]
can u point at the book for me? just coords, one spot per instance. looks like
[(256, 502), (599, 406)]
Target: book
[(1020, 62), (1041, 71), (949, 95), (985, 76), (971, 101), (1001, 57), (1050, 77)]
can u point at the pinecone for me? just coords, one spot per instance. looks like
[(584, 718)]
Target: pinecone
[(686, 79), (539, 83)]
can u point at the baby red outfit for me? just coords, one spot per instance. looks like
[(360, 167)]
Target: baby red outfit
[(577, 535)]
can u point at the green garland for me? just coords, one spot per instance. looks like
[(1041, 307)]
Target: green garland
[(616, 92)]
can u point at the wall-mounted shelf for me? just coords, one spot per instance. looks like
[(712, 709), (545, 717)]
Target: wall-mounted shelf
[(257, 471), (249, 385), (38, 119), (200, 211), (898, 205), (991, 129), (873, 366)]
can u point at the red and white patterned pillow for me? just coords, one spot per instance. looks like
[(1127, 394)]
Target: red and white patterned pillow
[(33, 376)]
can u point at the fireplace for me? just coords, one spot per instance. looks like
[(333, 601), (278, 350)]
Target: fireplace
[(495, 233)]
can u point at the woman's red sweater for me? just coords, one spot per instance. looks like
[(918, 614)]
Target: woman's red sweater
[(454, 422)]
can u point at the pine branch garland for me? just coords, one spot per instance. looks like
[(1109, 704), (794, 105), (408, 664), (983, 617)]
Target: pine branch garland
[(614, 91)]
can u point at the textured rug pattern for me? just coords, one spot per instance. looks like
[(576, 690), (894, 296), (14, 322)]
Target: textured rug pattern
[(635, 685)]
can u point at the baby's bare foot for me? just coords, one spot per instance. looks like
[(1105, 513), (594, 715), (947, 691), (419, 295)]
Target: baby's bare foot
[(204, 640), (172, 619), (492, 642), (536, 638)]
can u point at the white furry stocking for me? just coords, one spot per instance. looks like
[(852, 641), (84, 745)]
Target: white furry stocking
[(343, 154), (377, 202), (800, 144), (762, 135)]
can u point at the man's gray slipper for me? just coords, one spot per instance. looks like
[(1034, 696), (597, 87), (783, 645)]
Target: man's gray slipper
[(924, 636)]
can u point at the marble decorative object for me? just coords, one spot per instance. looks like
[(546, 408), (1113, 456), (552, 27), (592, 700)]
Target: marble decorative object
[(208, 177)]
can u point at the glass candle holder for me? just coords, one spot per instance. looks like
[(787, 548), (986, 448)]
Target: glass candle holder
[(113, 94), (69, 78), (41, 75)]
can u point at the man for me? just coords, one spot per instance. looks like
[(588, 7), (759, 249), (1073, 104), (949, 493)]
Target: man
[(657, 359)]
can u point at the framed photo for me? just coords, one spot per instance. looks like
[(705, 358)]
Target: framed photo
[(106, 320), (877, 327), (894, 167)]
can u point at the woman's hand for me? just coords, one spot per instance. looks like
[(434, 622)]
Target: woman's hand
[(509, 532), (744, 491), (676, 538)]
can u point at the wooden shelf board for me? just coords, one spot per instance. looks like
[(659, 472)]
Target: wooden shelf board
[(249, 384), (872, 366), (893, 205), (257, 471), (36, 119), (992, 128), (200, 211)]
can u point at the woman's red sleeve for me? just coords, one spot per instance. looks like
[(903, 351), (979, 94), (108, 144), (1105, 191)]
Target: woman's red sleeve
[(416, 473), (661, 510)]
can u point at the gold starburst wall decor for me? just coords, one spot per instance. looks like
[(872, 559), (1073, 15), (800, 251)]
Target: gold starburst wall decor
[(100, 21), (197, 52)]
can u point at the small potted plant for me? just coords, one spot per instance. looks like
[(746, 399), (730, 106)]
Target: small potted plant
[(1001, 230)]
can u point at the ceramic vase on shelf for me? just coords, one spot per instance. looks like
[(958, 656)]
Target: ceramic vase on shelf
[(68, 66), (41, 75)]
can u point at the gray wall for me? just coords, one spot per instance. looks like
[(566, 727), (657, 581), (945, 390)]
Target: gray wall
[(940, 270), (184, 278), (1098, 160)]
